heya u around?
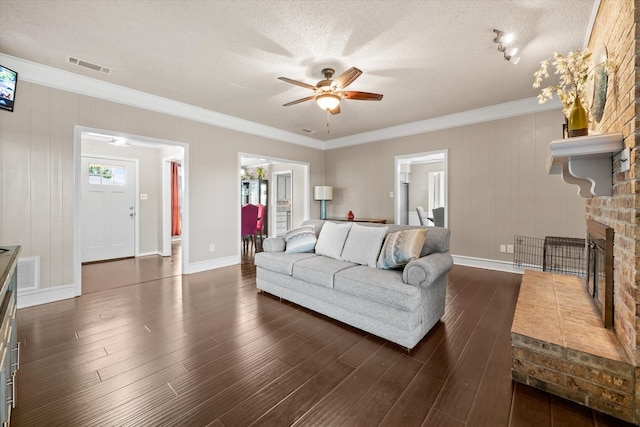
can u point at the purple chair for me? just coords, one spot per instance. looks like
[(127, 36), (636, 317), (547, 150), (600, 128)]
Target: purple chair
[(249, 216), (262, 212)]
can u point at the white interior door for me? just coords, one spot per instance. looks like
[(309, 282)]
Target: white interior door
[(107, 208)]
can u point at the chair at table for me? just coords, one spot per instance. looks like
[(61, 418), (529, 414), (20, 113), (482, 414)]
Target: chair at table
[(249, 219), (422, 216), (438, 217), (437, 220), (262, 212)]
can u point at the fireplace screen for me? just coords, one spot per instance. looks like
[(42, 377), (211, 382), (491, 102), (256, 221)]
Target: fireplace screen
[(599, 279)]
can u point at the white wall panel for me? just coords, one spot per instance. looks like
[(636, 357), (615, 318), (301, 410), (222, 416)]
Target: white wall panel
[(36, 170), (498, 185)]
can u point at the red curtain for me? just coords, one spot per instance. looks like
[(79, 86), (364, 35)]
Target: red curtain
[(176, 228)]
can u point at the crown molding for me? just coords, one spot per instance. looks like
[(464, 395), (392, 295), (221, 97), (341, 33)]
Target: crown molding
[(45, 75), (64, 80), (479, 115)]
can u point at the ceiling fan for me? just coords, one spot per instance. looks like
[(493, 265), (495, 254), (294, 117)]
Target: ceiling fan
[(329, 93)]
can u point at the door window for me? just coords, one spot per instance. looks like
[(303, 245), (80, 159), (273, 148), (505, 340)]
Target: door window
[(100, 174)]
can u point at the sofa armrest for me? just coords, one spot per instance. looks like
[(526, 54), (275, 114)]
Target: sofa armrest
[(424, 271), (274, 244)]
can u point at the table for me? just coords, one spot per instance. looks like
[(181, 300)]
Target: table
[(374, 220)]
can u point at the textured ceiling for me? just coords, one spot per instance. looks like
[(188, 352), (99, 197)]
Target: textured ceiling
[(429, 58)]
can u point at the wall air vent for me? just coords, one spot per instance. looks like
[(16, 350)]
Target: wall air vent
[(305, 130), (86, 64), (28, 273)]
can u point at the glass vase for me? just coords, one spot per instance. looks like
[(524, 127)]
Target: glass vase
[(578, 122)]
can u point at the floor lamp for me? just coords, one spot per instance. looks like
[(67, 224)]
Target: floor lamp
[(323, 193)]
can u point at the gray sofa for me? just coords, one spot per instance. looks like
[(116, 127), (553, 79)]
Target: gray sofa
[(398, 305)]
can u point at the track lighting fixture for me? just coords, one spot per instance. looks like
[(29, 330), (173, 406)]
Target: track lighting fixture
[(504, 40)]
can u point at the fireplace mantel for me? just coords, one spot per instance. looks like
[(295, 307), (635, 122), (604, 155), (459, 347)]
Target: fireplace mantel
[(586, 162)]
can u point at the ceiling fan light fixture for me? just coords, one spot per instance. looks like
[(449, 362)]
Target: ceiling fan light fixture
[(329, 93), (328, 101)]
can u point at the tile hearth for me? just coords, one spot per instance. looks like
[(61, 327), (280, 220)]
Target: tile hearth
[(560, 345)]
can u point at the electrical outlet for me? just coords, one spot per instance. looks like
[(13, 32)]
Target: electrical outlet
[(391, 194), (212, 247), (509, 249), (503, 248)]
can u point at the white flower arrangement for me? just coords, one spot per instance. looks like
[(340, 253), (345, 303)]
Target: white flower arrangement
[(574, 72)]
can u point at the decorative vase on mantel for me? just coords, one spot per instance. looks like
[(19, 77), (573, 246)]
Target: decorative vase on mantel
[(578, 122)]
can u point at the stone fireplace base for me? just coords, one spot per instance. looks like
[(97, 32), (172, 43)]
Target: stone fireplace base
[(560, 345)]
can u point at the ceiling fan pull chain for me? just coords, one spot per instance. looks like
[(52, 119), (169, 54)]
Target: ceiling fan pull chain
[(328, 121)]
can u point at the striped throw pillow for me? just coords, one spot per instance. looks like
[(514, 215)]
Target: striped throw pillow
[(401, 247)]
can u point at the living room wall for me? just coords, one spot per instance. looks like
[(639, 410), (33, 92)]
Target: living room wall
[(37, 185), (497, 177)]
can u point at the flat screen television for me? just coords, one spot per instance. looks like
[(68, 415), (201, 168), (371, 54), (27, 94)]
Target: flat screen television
[(8, 82)]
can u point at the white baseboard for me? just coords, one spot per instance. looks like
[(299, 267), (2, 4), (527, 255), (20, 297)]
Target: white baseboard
[(487, 264), (28, 298), (197, 267), (148, 253)]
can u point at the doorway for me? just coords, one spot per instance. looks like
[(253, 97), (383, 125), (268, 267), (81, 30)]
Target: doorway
[(172, 198), (421, 180), (283, 202), (271, 168), (150, 257)]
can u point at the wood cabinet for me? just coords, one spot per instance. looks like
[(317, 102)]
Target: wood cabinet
[(9, 345), (254, 191)]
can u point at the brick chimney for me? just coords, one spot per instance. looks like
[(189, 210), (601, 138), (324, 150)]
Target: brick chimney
[(616, 27)]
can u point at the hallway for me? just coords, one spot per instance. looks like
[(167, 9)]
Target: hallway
[(101, 276)]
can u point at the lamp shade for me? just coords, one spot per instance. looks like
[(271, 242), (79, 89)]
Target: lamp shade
[(323, 192)]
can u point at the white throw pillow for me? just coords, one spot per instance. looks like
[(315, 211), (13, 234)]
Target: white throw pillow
[(363, 244), (331, 239)]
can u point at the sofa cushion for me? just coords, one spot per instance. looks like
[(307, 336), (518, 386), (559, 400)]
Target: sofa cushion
[(437, 240), (401, 247), (331, 239), (319, 270), (280, 262), (274, 244), (381, 286), (329, 301), (363, 244), (302, 239)]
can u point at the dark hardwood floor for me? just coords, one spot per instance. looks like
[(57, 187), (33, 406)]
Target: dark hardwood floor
[(206, 349), (100, 276)]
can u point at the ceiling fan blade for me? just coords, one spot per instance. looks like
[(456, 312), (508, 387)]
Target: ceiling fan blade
[(336, 110), (346, 78), (296, 82), (361, 96), (298, 101)]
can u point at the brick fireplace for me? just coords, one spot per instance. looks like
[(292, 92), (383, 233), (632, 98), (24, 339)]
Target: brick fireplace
[(560, 345), (560, 357), (599, 277)]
